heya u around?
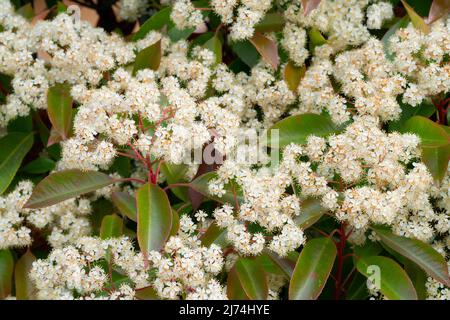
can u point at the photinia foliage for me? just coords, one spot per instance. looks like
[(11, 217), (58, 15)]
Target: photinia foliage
[(225, 149)]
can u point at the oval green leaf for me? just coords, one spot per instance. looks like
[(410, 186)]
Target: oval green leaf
[(250, 276), (126, 204), (14, 148), (112, 227), (311, 211), (59, 109), (293, 75), (297, 128), (148, 58), (24, 285), (394, 282), (312, 269), (64, 185), (435, 144), (6, 273), (200, 184), (424, 255), (154, 218)]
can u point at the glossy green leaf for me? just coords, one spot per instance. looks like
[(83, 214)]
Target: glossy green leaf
[(24, 286), (419, 252), (272, 22), (316, 39), (311, 212), (267, 48), (312, 269), (425, 109), (418, 277), (148, 58), (200, 184), (14, 147), (6, 273), (358, 288), (175, 223), (246, 52), (112, 227), (394, 282), (297, 128), (285, 264), (435, 144), (64, 185), (126, 204), (214, 234), (155, 22), (215, 45), (39, 165), (147, 293), (59, 109), (293, 75), (416, 20), (176, 173), (154, 217), (249, 275)]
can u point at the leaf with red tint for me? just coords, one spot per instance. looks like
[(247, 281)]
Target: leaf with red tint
[(267, 48), (309, 5)]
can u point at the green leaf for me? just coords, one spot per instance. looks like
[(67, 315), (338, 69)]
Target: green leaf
[(435, 144), (424, 255), (425, 109), (248, 277), (293, 75), (176, 173), (59, 109), (64, 185), (316, 39), (176, 34), (358, 288), (24, 285), (175, 224), (246, 52), (147, 293), (394, 282), (154, 218), (149, 57), (418, 278), (267, 48), (126, 204), (312, 269), (39, 165), (311, 212), (369, 248), (215, 45), (200, 184), (285, 264), (402, 23), (21, 124), (272, 22), (155, 22), (214, 234), (416, 20), (297, 128), (6, 273), (14, 147), (112, 227)]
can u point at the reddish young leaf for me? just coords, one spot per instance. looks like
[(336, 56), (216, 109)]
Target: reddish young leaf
[(267, 49), (309, 5), (439, 9)]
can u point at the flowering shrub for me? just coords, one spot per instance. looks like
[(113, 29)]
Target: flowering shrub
[(225, 149)]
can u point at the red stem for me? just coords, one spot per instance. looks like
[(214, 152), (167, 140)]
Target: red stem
[(341, 257)]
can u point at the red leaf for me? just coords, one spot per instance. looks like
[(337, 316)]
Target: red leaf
[(267, 49), (309, 5)]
